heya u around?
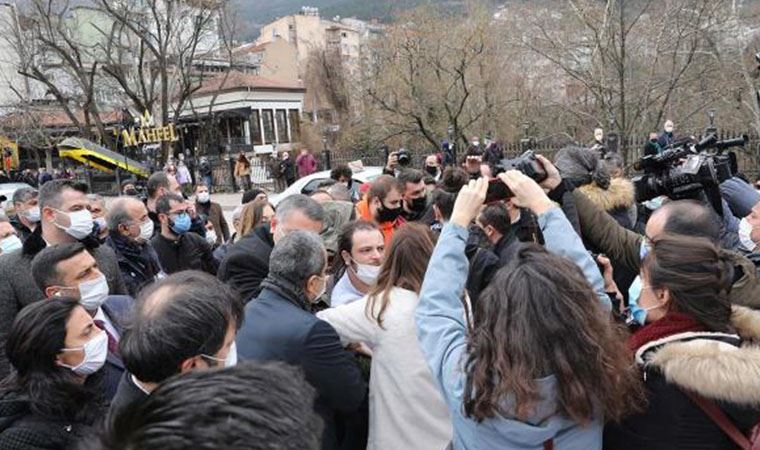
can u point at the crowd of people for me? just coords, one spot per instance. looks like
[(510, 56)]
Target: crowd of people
[(423, 314)]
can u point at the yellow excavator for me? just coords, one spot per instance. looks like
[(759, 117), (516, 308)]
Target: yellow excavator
[(99, 157)]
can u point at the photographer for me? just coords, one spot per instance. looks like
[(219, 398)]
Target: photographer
[(684, 217)]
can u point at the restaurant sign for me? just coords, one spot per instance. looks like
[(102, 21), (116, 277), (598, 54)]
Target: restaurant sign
[(147, 133)]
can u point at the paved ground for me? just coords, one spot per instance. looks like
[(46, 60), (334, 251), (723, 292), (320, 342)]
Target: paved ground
[(228, 203)]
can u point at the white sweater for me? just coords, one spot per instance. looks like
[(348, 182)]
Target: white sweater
[(406, 410)]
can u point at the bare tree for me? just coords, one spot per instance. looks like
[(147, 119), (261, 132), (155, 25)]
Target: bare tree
[(62, 63), (425, 76), (634, 61)]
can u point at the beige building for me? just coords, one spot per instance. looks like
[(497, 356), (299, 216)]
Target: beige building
[(307, 32), (276, 59)]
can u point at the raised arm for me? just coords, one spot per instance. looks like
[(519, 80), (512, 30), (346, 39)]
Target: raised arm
[(561, 239), (441, 327)]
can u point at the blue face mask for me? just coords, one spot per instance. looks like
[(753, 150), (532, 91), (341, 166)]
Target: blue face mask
[(635, 313), (181, 224), (644, 249)]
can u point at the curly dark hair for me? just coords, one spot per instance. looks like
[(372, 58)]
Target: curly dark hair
[(539, 317)]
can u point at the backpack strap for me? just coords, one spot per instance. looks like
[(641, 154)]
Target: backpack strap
[(549, 445), (719, 417)]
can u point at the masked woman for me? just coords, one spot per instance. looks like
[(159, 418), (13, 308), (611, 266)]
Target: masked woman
[(693, 350), (51, 399)]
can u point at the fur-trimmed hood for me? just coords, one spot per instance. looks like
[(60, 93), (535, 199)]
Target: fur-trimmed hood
[(713, 367), (620, 194)]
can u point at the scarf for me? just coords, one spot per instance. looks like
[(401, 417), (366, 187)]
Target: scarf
[(134, 253), (287, 290), (672, 323)]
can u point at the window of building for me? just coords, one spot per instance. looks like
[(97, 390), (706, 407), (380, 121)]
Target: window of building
[(255, 128), (268, 119), (282, 126), (343, 34), (295, 125)]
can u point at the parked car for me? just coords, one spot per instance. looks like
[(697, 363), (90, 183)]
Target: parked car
[(7, 190), (310, 183)]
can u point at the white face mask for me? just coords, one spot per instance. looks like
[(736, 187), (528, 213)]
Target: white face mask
[(10, 244), (101, 223), (93, 293), (368, 274), (95, 353), (80, 223), (320, 293), (32, 214), (230, 360), (204, 197), (211, 237), (146, 230), (745, 235)]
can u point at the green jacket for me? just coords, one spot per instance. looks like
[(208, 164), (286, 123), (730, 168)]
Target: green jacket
[(622, 245)]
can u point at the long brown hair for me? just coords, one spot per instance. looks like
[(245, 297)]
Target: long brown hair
[(698, 276), (252, 215), (406, 261), (539, 317)]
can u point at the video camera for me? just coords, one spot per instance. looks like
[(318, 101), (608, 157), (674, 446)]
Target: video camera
[(687, 169), (525, 163)]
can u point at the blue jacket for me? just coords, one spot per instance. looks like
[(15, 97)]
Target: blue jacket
[(443, 335), (278, 329)]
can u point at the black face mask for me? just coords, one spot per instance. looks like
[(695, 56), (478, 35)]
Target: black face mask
[(431, 170), (131, 191), (418, 204), (387, 214)]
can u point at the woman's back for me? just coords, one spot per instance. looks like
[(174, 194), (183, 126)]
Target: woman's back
[(406, 407)]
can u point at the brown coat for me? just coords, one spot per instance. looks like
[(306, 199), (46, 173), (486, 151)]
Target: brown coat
[(215, 215)]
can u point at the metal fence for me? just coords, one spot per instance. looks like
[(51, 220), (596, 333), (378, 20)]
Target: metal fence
[(224, 180)]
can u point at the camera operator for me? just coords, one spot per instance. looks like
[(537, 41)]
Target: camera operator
[(598, 142), (667, 137), (683, 217)]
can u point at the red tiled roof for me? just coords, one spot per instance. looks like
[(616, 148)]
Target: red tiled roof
[(237, 80), (250, 48), (55, 118)]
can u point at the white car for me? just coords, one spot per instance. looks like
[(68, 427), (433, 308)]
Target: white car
[(7, 190), (310, 183)]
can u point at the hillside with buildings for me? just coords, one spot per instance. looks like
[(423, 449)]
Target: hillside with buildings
[(257, 13)]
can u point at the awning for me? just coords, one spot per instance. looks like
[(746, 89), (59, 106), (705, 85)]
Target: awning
[(98, 157)]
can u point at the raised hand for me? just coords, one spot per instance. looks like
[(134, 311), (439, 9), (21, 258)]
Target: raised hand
[(469, 201)]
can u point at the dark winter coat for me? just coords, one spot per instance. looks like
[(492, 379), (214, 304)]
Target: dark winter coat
[(280, 329), (717, 366), (136, 270), (247, 262), (189, 252), (20, 429)]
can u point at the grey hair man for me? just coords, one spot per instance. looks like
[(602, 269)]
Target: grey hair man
[(247, 263), (27, 211), (280, 326), (130, 230)]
